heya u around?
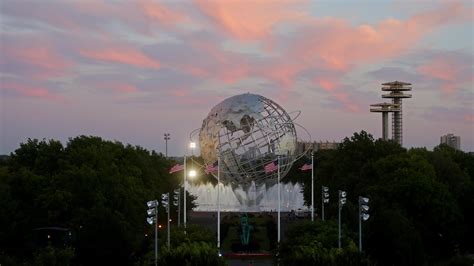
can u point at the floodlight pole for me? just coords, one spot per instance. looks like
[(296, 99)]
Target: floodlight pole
[(340, 207), (184, 195), (218, 202), (322, 203), (167, 137), (279, 196), (312, 186), (360, 227), (156, 233), (179, 207), (168, 225)]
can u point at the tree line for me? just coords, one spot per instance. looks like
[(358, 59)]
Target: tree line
[(421, 206), (84, 202), (421, 201)]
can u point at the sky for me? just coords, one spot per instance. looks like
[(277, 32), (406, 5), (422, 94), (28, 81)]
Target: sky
[(133, 70)]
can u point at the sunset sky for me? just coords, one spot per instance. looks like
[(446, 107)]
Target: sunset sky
[(134, 70)]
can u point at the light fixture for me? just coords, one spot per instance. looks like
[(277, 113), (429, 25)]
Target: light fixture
[(363, 216)]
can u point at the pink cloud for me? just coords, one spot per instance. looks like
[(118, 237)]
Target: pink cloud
[(332, 86), (250, 20), (118, 87), (44, 61), (469, 118), (326, 84), (127, 56), (31, 91), (156, 11), (340, 45), (449, 71)]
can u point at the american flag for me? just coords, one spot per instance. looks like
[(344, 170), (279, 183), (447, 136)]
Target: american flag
[(211, 168), (178, 167), (271, 167), (306, 167)]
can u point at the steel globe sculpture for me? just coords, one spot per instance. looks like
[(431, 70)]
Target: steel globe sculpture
[(248, 131)]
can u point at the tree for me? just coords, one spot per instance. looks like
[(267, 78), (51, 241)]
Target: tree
[(93, 187), (315, 243)]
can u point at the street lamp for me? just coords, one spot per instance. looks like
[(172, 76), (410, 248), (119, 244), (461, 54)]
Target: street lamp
[(192, 145), (324, 199), (167, 137), (312, 186), (218, 202), (342, 202), (165, 202), (177, 203), (363, 216), (152, 218)]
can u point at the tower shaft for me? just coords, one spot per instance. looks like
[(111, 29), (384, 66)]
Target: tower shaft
[(397, 122), (385, 125)]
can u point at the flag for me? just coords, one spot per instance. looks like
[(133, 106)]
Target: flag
[(306, 167), (211, 168), (271, 167), (178, 167)]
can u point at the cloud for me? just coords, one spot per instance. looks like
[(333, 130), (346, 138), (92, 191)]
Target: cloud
[(38, 58), (469, 118), (449, 115), (29, 91), (122, 88), (155, 11), (127, 56), (251, 20), (451, 71), (340, 45)]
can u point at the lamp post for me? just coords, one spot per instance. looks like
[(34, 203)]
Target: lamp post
[(363, 216), (167, 137), (177, 203), (279, 196), (153, 219), (192, 173), (165, 203), (184, 194), (324, 199), (218, 203), (312, 186), (342, 201)]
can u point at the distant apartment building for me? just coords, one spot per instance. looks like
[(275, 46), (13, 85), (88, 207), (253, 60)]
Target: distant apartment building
[(451, 141), (316, 146)]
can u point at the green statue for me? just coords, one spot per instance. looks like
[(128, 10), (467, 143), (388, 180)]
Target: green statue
[(245, 236)]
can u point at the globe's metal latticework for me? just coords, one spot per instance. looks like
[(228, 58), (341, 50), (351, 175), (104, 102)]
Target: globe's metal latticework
[(249, 131)]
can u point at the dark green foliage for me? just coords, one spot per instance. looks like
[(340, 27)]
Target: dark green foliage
[(50, 256), (195, 247), (97, 189), (191, 254), (422, 204), (316, 244)]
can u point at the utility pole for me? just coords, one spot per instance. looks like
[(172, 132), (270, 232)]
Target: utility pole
[(363, 216), (324, 199), (342, 201), (153, 219), (167, 137)]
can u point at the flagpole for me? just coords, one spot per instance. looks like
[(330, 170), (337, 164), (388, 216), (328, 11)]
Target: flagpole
[(184, 195), (218, 203), (312, 186), (279, 192)]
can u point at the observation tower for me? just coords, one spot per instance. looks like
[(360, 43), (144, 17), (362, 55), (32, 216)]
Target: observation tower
[(397, 91)]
